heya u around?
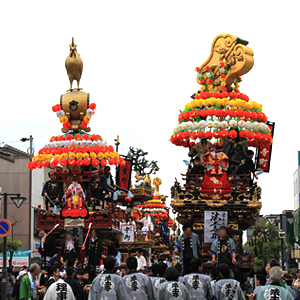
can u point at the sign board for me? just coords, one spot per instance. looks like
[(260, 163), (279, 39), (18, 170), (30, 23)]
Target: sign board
[(213, 220), (78, 222), (5, 228), (263, 153), (124, 174), (128, 233), (20, 258)]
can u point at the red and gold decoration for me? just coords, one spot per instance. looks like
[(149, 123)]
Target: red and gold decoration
[(75, 147), (219, 110)]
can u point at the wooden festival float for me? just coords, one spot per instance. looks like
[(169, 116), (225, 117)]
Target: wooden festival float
[(219, 125), (77, 150), (150, 242)]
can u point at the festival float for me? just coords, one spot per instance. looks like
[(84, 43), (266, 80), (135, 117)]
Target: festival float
[(78, 151), (149, 242), (218, 126)]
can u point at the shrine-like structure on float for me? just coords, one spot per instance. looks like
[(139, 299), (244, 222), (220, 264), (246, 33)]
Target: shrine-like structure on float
[(219, 125), (79, 152)]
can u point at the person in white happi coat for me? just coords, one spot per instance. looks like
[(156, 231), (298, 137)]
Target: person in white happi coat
[(59, 290), (172, 289), (108, 285), (227, 288), (198, 285), (274, 291), (147, 222), (160, 279), (137, 285)]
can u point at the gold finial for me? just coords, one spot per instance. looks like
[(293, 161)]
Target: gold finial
[(157, 182), (74, 65), (117, 143)]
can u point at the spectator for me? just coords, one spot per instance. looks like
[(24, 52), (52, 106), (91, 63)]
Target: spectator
[(172, 289), (270, 264), (16, 291), (84, 282), (167, 262), (74, 284), (54, 271), (274, 290), (141, 260), (11, 280), (131, 222), (297, 282), (155, 259), (28, 281), (289, 285)]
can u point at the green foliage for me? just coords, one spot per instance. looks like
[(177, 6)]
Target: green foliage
[(12, 246), (140, 164), (264, 244)]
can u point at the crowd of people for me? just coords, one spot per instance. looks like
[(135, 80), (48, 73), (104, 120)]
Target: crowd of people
[(158, 282), (102, 275)]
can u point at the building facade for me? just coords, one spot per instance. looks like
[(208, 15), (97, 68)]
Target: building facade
[(15, 178)]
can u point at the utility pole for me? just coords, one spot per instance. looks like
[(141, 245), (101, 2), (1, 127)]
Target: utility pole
[(117, 143), (4, 270), (30, 196), (282, 243), (19, 200)]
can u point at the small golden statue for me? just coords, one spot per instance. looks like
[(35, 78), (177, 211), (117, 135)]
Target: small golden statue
[(76, 103), (74, 65), (157, 182)]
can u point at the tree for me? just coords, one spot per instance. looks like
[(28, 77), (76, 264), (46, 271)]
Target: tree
[(264, 244), (139, 162), (12, 246)]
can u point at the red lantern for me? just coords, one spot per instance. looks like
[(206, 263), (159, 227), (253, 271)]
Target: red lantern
[(103, 162), (86, 161)]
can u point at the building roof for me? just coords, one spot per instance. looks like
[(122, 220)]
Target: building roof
[(9, 153)]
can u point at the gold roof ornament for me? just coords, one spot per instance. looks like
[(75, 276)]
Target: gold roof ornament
[(74, 65), (229, 58), (75, 103)]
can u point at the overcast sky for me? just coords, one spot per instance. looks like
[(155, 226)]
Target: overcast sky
[(139, 60)]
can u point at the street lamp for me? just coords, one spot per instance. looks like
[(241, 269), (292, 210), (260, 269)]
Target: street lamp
[(18, 201)]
